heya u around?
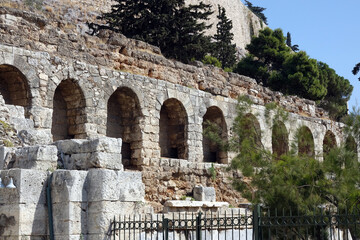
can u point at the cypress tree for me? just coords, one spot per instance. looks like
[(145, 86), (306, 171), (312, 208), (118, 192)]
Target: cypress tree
[(177, 29), (224, 49)]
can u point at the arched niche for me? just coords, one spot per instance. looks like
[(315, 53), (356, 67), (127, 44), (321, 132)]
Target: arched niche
[(173, 130), (14, 86), (306, 146), (212, 152), (279, 139), (350, 144), (329, 142), (123, 117), (251, 129), (69, 117)]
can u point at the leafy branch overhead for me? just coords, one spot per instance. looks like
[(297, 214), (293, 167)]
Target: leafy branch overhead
[(356, 69)]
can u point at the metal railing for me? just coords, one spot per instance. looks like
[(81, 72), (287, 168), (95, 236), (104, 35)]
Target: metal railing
[(231, 225), (322, 224)]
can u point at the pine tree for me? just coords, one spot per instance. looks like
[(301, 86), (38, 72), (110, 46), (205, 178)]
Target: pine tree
[(356, 69), (177, 29), (224, 49)]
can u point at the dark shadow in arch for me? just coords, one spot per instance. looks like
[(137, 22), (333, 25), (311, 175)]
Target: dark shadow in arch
[(173, 130), (123, 118), (69, 117), (329, 142), (212, 151), (14, 87), (350, 145), (306, 144), (279, 139)]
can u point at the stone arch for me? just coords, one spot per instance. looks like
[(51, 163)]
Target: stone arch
[(329, 142), (211, 150), (351, 145), (306, 144), (14, 86), (253, 128), (173, 130), (123, 118), (69, 117), (279, 139)]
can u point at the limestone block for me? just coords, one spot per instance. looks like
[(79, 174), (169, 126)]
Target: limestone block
[(33, 220), (69, 186), (106, 160), (70, 218), (41, 157), (4, 154), (104, 144), (115, 185), (132, 188), (30, 186), (204, 193), (100, 213), (9, 220), (42, 116), (69, 146), (97, 153)]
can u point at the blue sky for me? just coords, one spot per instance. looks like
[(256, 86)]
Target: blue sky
[(327, 30)]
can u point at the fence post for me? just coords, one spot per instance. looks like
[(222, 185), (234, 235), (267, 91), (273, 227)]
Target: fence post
[(165, 228), (198, 227), (256, 223)]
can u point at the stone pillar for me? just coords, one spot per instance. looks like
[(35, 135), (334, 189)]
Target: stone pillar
[(69, 204), (23, 210)]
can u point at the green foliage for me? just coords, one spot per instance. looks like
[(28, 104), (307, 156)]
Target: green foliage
[(224, 50), (356, 69), (7, 143), (258, 11), (271, 62), (177, 29), (291, 180), (212, 61), (212, 171), (6, 126)]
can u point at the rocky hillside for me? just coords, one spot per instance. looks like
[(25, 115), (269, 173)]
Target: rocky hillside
[(73, 14)]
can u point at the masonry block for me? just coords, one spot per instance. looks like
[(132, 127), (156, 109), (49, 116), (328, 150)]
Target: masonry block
[(204, 193)]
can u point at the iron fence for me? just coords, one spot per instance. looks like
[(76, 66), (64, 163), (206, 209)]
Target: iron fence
[(322, 224), (232, 225)]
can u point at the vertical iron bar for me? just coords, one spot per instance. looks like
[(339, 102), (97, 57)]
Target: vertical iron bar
[(205, 224), (256, 228), (211, 225), (225, 222), (165, 228), (173, 224), (232, 224), (218, 223), (246, 223), (198, 227)]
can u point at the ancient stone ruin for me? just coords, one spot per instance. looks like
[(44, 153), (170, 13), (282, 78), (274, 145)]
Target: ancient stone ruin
[(97, 126)]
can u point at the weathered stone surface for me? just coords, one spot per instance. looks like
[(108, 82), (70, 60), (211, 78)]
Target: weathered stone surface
[(43, 157), (112, 185), (30, 186), (193, 206), (69, 185), (204, 193), (85, 154)]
